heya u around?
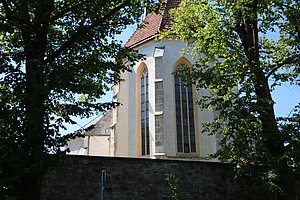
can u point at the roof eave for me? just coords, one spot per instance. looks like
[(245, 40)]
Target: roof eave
[(142, 42)]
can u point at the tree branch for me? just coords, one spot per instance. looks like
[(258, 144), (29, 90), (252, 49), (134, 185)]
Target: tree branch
[(65, 12), (273, 71), (266, 52), (289, 60), (26, 30), (83, 31)]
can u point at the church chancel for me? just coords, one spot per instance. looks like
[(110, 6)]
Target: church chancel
[(158, 117)]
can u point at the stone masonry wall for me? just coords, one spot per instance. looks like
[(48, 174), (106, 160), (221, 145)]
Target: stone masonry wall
[(78, 178)]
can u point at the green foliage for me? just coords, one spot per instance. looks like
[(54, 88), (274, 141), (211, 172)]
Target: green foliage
[(240, 63), (57, 58), (290, 128), (174, 193)]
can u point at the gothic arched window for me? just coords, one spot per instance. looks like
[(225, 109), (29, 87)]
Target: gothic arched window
[(144, 92), (185, 122)]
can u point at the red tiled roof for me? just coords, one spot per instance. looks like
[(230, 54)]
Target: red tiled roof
[(153, 24)]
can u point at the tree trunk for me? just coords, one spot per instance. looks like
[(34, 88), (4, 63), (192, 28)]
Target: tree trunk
[(35, 130), (248, 32), (34, 34)]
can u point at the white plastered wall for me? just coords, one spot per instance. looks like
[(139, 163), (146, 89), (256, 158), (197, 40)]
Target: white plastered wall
[(98, 145), (126, 123), (122, 125), (90, 146)]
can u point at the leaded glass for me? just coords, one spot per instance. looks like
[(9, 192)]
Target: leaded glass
[(185, 126), (145, 113)]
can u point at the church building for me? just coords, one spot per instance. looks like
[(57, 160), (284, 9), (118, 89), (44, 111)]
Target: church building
[(158, 117)]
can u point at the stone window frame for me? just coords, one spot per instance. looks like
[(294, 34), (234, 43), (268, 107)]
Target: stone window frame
[(143, 146), (185, 61)]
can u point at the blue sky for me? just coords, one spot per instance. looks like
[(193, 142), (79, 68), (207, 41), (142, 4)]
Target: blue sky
[(286, 96)]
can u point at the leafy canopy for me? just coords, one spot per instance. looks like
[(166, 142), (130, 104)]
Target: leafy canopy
[(240, 64), (57, 58)]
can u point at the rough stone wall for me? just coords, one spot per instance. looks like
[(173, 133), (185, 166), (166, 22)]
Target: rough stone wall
[(159, 134), (159, 96), (159, 117), (78, 178)]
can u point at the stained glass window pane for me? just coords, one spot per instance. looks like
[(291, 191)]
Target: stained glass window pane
[(191, 119), (142, 98), (185, 119), (145, 146), (185, 127), (147, 138), (142, 81), (143, 139), (147, 79), (178, 114), (145, 71), (143, 115)]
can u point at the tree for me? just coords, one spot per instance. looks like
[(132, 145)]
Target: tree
[(57, 58), (240, 65)]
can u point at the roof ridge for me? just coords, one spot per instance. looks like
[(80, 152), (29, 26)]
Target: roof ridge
[(163, 14), (155, 24)]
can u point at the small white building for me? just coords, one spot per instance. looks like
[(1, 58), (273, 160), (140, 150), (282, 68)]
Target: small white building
[(158, 117), (97, 141)]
